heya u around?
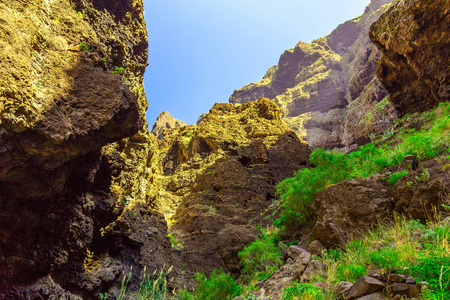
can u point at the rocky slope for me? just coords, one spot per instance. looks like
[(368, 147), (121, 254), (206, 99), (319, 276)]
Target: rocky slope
[(414, 37), (328, 89), (219, 181), (73, 206), (163, 122)]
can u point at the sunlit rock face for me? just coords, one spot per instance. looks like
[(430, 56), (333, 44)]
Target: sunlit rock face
[(328, 89), (219, 181), (414, 38), (75, 162), (165, 121)]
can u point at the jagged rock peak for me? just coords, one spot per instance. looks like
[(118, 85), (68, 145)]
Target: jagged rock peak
[(316, 84), (165, 121)]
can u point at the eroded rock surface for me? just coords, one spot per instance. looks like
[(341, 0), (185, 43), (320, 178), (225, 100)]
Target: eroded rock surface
[(163, 122), (221, 176), (415, 40), (328, 89), (74, 208)]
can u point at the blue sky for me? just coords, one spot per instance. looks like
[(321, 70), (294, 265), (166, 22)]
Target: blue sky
[(200, 51)]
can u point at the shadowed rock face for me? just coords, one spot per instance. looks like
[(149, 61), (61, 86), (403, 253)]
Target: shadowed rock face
[(415, 41), (317, 84), (163, 122), (62, 184)]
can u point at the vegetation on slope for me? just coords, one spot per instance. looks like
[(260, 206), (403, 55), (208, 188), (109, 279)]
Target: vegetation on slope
[(330, 167)]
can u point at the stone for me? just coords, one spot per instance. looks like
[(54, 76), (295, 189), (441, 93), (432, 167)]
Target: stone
[(419, 200), (341, 289), (316, 248), (364, 286), (314, 268), (345, 209), (301, 263), (409, 290), (165, 121), (375, 296), (294, 251)]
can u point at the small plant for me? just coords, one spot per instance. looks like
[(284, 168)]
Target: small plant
[(83, 47), (118, 70), (260, 259), (218, 286), (175, 243), (424, 176), (80, 14), (394, 178)]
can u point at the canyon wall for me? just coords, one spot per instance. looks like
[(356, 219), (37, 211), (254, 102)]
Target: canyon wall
[(77, 207), (328, 89), (415, 40)]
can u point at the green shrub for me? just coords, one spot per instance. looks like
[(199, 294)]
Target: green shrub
[(219, 286), (297, 193), (435, 270), (260, 259), (83, 47), (118, 70), (394, 178)]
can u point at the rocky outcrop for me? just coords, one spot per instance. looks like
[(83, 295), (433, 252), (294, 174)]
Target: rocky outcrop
[(415, 40), (301, 268), (345, 210), (73, 206), (328, 89), (165, 121), (219, 180)]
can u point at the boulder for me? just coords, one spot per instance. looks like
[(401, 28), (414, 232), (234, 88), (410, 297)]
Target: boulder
[(375, 296), (346, 208), (316, 248), (301, 263), (341, 289), (294, 251), (364, 286), (314, 268)]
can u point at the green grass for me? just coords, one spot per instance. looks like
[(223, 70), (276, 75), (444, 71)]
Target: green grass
[(218, 286), (151, 287), (402, 247), (297, 193)]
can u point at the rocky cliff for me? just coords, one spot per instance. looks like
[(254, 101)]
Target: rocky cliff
[(328, 89), (219, 180), (165, 121), (414, 69), (71, 84)]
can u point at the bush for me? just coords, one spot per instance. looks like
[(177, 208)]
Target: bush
[(394, 178), (297, 193), (260, 259), (435, 270), (219, 286), (118, 70)]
